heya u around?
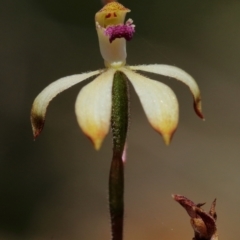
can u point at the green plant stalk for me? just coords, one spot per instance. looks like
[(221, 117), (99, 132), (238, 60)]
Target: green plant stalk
[(119, 124)]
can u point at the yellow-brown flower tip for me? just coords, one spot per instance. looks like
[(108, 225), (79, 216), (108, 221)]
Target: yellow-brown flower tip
[(96, 140), (37, 122), (167, 137), (97, 143), (198, 107)]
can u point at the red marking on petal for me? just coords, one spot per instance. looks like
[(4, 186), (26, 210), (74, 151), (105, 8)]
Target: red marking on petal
[(108, 15)]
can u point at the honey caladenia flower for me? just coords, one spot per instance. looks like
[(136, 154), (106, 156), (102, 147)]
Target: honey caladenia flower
[(203, 223), (93, 104)]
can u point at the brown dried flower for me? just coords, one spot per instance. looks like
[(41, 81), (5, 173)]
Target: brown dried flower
[(203, 223)]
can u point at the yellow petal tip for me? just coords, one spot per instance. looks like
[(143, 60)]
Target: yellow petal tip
[(97, 143), (167, 137)]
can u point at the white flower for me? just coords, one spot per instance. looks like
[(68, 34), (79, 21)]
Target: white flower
[(93, 104)]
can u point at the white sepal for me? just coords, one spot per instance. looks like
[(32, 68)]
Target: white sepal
[(159, 103), (93, 107), (179, 74), (41, 102)]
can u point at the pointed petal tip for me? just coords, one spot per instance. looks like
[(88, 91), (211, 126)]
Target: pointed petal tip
[(198, 108), (35, 134), (97, 144), (96, 141), (37, 122), (199, 113), (167, 137)]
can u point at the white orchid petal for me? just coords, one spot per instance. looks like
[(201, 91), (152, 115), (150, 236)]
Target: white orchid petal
[(179, 74), (159, 103), (93, 107), (42, 101)]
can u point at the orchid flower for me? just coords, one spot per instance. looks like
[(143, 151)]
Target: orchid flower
[(94, 102), (103, 103)]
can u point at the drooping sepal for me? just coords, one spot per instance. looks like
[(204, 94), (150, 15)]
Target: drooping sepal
[(178, 74), (159, 103), (93, 107), (41, 102)]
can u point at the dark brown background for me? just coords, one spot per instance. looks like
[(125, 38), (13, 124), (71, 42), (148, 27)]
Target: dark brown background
[(56, 187)]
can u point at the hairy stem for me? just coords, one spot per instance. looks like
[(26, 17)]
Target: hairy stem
[(119, 124)]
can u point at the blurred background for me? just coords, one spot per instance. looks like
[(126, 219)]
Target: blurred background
[(56, 187)]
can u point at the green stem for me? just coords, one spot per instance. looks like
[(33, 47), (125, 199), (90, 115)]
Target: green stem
[(119, 124)]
